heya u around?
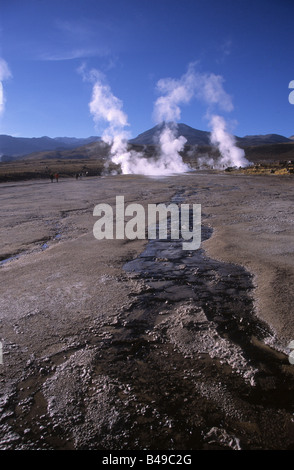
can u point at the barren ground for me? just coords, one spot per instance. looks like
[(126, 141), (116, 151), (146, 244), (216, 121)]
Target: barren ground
[(130, 344)]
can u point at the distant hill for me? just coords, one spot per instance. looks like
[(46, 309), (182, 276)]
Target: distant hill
[(263, 139), (198, 137), (192, 135), (19, 146), (93, 150), (281, 151)]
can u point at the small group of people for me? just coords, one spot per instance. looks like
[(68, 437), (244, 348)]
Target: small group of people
[(56, 176), (79, 175)]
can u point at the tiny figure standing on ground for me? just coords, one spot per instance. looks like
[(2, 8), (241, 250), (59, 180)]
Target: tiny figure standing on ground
[(51, 178), (56, 177)]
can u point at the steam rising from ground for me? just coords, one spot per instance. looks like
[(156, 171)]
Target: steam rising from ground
[(104, 106), (231, 155), (166, 112), (107, 107), (174, 93), (4, 75), (209, 88)]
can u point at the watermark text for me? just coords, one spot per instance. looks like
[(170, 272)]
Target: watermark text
[(159, 221), (291, 94)]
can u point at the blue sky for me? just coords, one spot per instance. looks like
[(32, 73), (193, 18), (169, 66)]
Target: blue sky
[(133, 44)]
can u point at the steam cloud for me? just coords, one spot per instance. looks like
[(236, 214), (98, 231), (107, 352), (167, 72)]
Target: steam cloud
[(104, 106), (166, 112), (107, 107), (231, 155), (173, 93), (4, 75), (209, 89)]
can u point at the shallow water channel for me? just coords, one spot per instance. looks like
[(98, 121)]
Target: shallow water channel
[(186, 364), (199, 361)]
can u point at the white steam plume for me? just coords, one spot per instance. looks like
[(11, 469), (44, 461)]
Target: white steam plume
[(167, 111), (231, 155), (210, 89), (104, 106), (4, 75), (174, 92), (107, 107)]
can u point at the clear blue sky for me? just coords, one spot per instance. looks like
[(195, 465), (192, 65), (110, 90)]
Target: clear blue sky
[(135, 43)]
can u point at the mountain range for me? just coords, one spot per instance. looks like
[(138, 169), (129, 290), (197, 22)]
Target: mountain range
[(21, 146), (198, 137)]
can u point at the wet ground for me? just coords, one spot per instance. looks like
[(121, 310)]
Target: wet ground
[(143, 345)]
